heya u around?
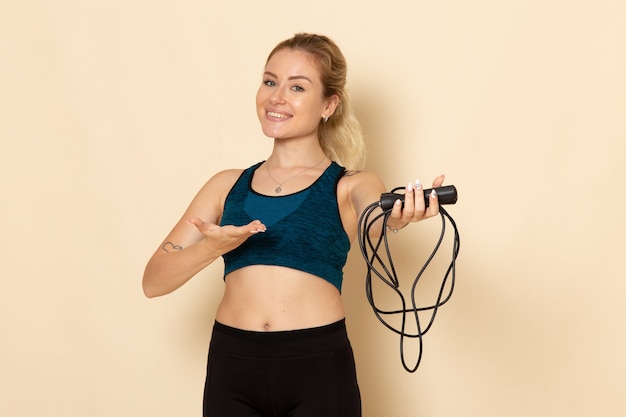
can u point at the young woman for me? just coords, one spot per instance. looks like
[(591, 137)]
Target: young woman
[(283, 226)]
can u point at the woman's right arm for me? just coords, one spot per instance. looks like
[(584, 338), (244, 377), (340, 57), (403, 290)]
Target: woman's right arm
[(196, 240)]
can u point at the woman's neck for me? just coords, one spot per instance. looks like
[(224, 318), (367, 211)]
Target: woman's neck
[(288, 155)]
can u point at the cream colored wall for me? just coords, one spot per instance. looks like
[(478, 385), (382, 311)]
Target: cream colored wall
[(114, 113)]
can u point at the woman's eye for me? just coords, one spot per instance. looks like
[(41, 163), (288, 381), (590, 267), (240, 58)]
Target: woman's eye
[(297, 88), (269, 83)]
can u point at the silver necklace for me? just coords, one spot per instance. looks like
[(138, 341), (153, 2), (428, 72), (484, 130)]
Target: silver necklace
[(279, 189)]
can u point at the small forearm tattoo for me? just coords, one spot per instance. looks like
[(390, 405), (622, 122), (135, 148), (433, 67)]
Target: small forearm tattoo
[(167, 246)]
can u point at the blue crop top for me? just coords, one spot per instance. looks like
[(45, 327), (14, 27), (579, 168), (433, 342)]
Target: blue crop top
[(304, 229)]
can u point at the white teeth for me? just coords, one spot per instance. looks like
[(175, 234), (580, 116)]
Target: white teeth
[(279, 115)]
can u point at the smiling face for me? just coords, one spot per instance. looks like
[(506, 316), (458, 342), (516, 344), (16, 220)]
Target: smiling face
[(290, 101)]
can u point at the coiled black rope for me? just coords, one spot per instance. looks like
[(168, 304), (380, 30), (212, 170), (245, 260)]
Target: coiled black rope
[(384, 269)]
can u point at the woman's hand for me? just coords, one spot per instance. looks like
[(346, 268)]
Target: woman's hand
[(223, 239), (414, 208)]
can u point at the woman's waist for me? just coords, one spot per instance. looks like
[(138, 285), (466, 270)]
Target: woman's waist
[(269, 299), (273, 315), (295, 343)]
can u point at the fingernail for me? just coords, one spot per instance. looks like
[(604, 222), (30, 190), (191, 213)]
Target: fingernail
[(418, 184), (409, 187), (433, 194), (398, 202)]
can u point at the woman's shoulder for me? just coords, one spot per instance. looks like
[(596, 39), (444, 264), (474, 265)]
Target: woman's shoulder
[(360, 187), (210, 199), (352, 178), (227, 177), (220, 183)]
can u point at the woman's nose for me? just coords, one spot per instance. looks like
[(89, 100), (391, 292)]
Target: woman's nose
[(277, 97)]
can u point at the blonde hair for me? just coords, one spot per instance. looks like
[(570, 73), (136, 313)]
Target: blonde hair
[(341, 136)]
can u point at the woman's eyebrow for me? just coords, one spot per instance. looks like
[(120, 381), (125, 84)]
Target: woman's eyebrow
[(293, 77)]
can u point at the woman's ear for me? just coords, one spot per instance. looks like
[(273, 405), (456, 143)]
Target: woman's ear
[(331, 105)]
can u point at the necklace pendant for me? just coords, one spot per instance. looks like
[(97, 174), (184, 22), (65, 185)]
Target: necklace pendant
[(278, 190)]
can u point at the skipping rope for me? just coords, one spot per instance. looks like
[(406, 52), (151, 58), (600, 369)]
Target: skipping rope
[(382, 267)]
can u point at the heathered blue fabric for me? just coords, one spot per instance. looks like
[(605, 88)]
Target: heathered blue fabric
[(304, 229)]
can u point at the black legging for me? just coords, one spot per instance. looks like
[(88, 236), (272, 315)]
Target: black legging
[(299, 373)]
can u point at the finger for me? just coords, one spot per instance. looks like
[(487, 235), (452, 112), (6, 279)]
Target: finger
[(196, 221), (409, 203), (433, 204), (396, 209), (203, 227), (438, 182), (255, 226), (420, 204)]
